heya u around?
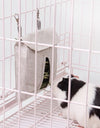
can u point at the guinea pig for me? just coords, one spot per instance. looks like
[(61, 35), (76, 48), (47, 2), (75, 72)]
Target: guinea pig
[(78, 94)]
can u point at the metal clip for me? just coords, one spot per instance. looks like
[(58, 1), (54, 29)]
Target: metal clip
[(38, 20)]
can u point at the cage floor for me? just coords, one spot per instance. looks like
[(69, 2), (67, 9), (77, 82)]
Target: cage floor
[(42, 118)]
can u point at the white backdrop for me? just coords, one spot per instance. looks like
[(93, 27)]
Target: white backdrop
[(81, 31)]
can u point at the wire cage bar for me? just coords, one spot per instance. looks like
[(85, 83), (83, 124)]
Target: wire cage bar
[(77, 50)]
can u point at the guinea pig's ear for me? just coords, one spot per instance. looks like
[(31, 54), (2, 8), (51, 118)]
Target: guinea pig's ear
[(72, 75)]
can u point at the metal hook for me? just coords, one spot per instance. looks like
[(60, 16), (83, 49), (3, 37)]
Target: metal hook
[(38, 13), (16, 16)]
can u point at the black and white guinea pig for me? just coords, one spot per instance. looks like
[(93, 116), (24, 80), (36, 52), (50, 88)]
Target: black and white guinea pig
[(78, 94)]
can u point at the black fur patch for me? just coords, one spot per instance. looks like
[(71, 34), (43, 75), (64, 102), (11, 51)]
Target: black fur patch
[(75, 86), (96, 102)]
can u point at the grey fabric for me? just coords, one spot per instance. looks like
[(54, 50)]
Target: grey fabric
[(27, 66)]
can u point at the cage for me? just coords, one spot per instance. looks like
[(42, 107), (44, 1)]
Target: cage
[(74, 46)]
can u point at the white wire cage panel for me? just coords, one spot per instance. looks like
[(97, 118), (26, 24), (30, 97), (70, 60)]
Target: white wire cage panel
[(42, 117), (76, 23)]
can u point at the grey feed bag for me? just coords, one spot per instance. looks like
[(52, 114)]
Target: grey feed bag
[(27, 64)]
